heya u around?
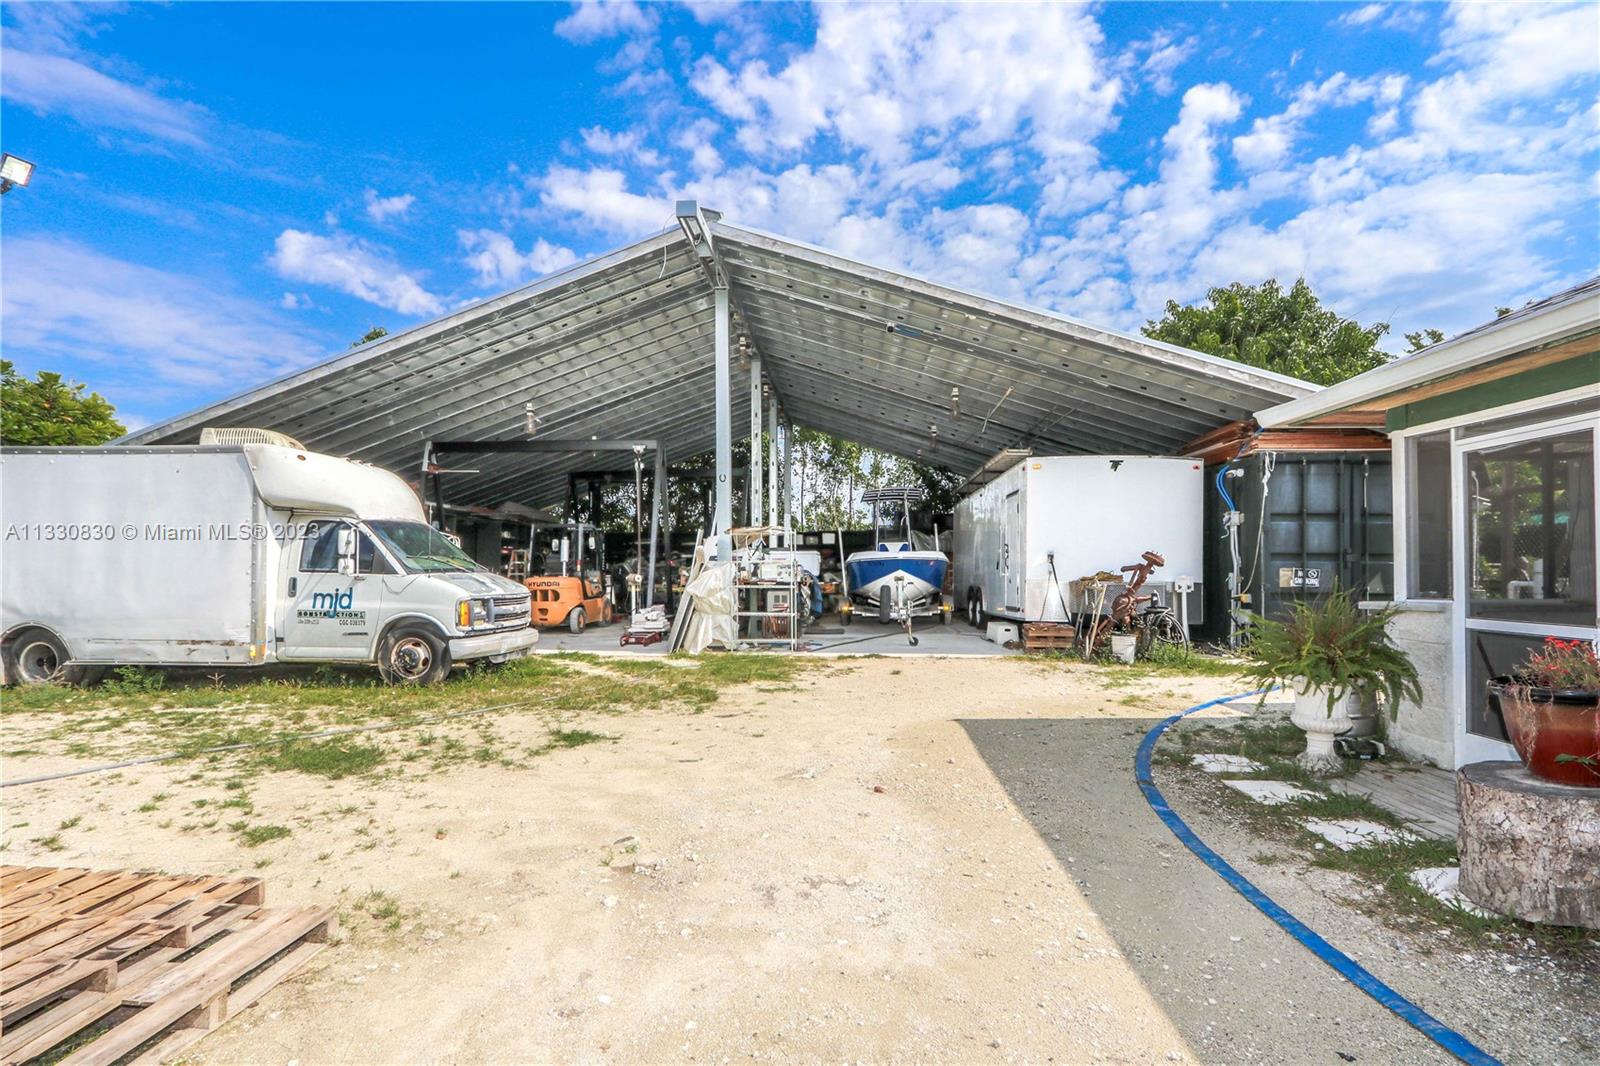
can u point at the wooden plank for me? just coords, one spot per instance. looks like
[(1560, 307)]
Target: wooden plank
[(1425, 798), (104, 923), (152, 899), (83, 974), (50, 908), (235, 954), (45, 893), (154, 952), (197, 982), (44, 1031), (14, 877), (57, 879)]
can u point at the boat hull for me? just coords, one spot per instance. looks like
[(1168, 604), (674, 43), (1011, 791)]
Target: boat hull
[(923, 573)]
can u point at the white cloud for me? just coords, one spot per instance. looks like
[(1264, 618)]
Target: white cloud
[(294, 301), (352, 266), (935, 74), (1165, 55), (1363, 15), (59, 85), (494, 256), (919, 153), (1271, 138), (625, 143), (593, 20), (160, 334), (601, 198), (383, 208)]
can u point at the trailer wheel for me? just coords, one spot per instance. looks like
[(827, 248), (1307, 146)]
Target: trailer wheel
[(413, 657), (885, 604), (577, 619)]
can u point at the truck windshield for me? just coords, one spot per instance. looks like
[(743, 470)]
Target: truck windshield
[(421, 548)]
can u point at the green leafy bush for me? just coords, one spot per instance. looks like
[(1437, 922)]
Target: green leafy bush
[(1335, 646)]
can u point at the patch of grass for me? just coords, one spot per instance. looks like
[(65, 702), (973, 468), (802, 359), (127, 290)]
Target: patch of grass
[(149, 711), (332, 758), (384, 908), (134, 681), (255, 835), (1177, 659), (576, 738), (50, 843), (71, 823), (153, 803)]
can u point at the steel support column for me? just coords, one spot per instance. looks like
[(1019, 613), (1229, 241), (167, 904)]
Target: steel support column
[(788, 473), (657, 501), (753, 496), (723, 511), (772, 462)]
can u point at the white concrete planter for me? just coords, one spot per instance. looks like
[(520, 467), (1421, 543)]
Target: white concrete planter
[(1311, 714), (1124, 646)]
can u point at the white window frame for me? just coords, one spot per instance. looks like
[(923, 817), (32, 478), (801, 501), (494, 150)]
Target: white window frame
[(1469, 747), (1400, 473)]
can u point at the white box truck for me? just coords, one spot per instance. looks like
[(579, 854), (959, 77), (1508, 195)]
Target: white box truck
[(234, 555), (1024, 537)]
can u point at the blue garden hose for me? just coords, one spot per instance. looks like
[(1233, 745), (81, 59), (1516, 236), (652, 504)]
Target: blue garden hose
[(1348, 968), (1222, 473)]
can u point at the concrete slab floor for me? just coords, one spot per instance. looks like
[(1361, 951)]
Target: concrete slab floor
[(1271, 793), (826, 637), (1227, 764), (1350, 833)]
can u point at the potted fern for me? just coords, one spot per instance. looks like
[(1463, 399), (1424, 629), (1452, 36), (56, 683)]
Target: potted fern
[(1330, 652)]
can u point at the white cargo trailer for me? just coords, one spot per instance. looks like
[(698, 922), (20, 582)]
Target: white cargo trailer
[(1024, 537), (234, 555)]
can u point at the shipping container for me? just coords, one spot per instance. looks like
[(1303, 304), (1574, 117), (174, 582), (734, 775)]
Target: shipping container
[(1311, 519)]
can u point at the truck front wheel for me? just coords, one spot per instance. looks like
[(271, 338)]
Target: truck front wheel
[(413, 657)]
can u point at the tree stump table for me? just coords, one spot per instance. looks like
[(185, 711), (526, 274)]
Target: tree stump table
[(1529, 848)]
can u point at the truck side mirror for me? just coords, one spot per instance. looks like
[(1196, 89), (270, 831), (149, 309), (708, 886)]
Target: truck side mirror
[(347, 550)]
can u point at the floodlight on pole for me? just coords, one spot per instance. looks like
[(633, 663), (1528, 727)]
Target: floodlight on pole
[(14, 171)]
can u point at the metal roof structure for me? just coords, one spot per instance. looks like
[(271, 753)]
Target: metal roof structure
[(624, 346)]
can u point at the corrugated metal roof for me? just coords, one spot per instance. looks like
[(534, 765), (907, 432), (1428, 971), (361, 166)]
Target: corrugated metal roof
[(621, 346)]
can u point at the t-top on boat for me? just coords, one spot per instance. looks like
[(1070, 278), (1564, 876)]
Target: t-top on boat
[(902, 576)]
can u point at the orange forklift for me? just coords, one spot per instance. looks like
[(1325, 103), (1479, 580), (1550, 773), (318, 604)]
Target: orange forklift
[(570, 597)]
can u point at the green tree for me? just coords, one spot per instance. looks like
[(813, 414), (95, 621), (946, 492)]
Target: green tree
[(50, 410), (1264, 326), (369, 336), (1423, 338)]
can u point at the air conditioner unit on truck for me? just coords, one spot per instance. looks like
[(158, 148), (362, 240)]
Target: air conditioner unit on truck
[(234, 554)]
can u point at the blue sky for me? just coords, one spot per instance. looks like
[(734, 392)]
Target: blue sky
[(228, 192)]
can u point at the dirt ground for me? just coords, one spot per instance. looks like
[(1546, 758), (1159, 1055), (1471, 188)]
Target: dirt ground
[(929, 859)]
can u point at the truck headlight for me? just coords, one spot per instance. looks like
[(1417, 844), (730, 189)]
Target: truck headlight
[(472, 613)]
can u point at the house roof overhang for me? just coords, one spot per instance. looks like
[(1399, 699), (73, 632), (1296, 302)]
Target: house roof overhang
[(1549, 331)]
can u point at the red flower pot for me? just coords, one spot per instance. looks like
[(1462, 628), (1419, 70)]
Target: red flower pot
[(1557, 733)]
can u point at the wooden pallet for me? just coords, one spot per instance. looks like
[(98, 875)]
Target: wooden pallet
[(1048, 636), (141, 964)]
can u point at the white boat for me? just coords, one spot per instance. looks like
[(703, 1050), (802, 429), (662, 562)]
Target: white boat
[(902, 576)]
